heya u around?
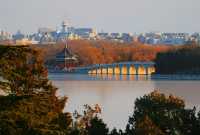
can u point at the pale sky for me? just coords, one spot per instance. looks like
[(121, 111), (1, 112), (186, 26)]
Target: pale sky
[(108, 15)]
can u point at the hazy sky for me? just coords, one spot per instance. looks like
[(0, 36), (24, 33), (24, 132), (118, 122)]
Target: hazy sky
[(108, 15)]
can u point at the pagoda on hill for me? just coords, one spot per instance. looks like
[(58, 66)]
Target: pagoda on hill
[(66, 60)]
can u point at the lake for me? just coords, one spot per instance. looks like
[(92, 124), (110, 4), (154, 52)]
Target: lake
[(116, 94)]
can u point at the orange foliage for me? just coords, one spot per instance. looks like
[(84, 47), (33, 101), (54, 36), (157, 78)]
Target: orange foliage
[(147, 127), (97, 52), (94, 52)]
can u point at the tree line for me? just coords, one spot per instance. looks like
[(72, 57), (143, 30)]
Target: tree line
[(182, 60), (103, 52), (29, 105)]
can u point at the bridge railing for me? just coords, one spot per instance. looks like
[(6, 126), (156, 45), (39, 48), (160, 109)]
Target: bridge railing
[(120, 63)]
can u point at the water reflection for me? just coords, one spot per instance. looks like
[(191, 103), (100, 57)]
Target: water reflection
[(117, 97), (101, 77), (119, 77)]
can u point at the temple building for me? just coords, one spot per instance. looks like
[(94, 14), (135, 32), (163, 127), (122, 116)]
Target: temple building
[(65, 60)]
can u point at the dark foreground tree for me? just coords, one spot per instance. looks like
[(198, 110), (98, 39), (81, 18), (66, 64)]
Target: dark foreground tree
[(22, 70), (117, 132), (157, 114), (97, 127), (89, 122), (39, 114), (30, 106)]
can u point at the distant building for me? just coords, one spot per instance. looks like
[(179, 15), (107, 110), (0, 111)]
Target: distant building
[(45, 30), (164, 38), (5, 36), (24, 41), (65, 32), (127, 37), (103, 36), (66, 60), (85, 33), (195, 37), (174, 38), (18, 36), (141, 38)]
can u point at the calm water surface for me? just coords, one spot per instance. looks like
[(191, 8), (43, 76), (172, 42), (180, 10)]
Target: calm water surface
[(116, 97)]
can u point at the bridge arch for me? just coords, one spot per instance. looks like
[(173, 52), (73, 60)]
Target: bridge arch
[(104, 70), (151, 69), (132, 70), (94, 71), (142, 70), (99, 70), (117, 69), (124, 70), (110, 70)]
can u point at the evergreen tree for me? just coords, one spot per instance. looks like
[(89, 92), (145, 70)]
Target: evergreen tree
[(30, 106), (22, 70)]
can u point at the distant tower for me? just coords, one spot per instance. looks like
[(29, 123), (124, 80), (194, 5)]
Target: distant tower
[(64, 25), (66, 53)]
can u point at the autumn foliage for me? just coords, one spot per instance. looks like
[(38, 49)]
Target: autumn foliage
[(103, 52)]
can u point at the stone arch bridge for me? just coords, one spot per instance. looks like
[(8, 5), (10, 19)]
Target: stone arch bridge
[(122, 68)]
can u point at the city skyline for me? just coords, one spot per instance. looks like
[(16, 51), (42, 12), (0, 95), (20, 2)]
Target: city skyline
[(111, 16)]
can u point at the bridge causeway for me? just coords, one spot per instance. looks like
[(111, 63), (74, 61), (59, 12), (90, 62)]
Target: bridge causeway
[(122, 68)]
